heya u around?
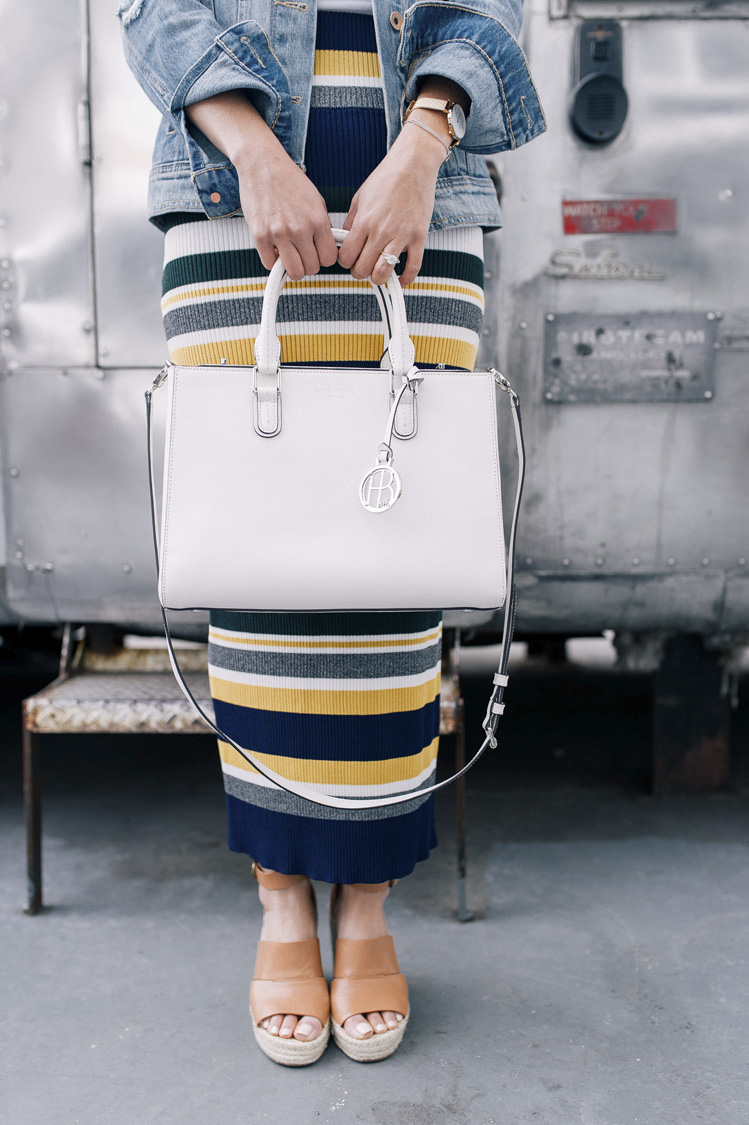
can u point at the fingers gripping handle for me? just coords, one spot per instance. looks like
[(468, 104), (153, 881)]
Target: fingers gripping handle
[(400, 346)]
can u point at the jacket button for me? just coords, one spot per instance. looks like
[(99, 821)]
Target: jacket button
[(396, 20), (215, 197)]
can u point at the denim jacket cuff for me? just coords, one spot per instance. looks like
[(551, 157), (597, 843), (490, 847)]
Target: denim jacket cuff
[(493, 70), (232, 63)]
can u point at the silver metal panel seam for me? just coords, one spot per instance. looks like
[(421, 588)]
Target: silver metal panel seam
[(46, 306), (128, 249)]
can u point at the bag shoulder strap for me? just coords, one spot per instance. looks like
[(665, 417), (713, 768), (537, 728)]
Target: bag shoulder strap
[(495, 707)]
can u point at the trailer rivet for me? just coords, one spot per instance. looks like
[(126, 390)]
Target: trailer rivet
[(708, 394), (635, 561), (485, 331), (487, 273), (742, 561), (671, 562), (565, 562), (99, 373), (19, 554), (726, 193), (710, 315), (30, 567), (600, 561), (7, 332), (716, 346), (706, 562), (103, 351), (5, 264), (5, 285), (48, 568), (19, 542), (528, 560), (14, 471), (7, 305), (550, 317), (88, 326), (523, 324), (126, 568), (549, 395)]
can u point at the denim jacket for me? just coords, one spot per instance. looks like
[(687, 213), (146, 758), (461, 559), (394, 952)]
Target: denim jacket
[(182, 51)]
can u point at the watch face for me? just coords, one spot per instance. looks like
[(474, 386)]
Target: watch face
[(458, 121)]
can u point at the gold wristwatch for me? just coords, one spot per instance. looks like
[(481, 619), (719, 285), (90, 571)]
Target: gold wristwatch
[(456, 119)]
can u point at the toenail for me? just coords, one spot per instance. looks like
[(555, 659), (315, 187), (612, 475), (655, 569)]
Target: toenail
[(285, 1032), (391, 1023), (362, 1028), (399, 1017), (304, 1030)]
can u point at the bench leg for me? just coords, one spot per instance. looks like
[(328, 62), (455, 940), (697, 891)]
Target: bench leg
[(32, 800), (464, 914)]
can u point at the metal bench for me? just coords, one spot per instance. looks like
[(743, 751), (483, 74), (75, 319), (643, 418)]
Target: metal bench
[(133, 691)]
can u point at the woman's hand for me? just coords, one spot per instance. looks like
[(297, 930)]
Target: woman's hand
[(392, 209), (283, 209), (285, 212)]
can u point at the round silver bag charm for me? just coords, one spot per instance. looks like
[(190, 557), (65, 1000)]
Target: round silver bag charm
[(380, 488)]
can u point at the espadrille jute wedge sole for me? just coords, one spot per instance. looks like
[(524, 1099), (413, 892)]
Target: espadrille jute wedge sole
[(366, 978), (288, 980)]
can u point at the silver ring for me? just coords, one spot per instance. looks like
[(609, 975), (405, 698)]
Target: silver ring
[(391, 259)]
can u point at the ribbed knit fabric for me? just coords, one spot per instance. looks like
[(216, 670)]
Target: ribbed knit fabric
[(345, 702)]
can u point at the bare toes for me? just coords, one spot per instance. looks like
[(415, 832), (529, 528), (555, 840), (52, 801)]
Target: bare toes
[(377, 1022), (288, 1027), (273, 1025), (308, 1028), (390, 1019), (358, 1027)]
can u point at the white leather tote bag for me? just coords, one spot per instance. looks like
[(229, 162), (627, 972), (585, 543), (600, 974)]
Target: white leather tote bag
[(328, 488)]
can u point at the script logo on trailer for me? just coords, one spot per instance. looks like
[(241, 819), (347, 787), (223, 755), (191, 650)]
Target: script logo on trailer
[(619, 216)]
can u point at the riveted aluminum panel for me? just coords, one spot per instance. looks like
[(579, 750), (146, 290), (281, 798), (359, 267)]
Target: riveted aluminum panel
[(46, 295), (77, 495), (636, 513), (128, 249)]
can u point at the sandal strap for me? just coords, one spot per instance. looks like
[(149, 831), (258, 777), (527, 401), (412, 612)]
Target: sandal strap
[(367, 978), (274, 880), (288, 980)]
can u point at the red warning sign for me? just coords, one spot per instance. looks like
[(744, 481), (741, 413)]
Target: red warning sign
[(619, 216)]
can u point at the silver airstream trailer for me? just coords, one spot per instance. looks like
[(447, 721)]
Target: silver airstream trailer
[(617, 302)]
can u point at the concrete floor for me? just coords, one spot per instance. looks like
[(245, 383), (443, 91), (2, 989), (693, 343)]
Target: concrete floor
[(604, 981)]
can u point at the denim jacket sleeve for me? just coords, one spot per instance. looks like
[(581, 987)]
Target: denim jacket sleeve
[(180, 55), (474, 43)]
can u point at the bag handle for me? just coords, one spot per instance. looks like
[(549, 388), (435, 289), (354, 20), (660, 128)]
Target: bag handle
[(496, 706), (392, 307)]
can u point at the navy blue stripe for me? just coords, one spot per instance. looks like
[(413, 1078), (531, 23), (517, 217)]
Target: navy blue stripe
[(333, 851), (331, 738), (344, 146), (345, 31)]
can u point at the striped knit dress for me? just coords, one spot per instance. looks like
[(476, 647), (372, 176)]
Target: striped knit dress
[(347, 703)]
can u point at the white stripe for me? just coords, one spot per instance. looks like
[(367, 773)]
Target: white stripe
[(287, 683), (344, 80), (324, 650), (383, 790), (218, 634)]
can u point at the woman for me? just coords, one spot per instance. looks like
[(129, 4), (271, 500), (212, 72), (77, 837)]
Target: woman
[(282, 119)]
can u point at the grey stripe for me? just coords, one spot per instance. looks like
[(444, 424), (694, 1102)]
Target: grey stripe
[(276, 800), (326, 665), (343, 97), (239, 312)]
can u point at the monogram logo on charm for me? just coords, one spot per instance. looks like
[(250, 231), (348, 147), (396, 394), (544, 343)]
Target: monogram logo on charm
[(380, 488)]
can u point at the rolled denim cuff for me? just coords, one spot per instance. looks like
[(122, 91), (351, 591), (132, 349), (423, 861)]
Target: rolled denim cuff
[(492, 69)]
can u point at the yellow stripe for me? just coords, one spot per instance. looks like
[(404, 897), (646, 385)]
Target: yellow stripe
[(258, 287), (339, 347), (432, 350), (360, 64), (244, 639), (446, 287), (305, 701), (316, 772)]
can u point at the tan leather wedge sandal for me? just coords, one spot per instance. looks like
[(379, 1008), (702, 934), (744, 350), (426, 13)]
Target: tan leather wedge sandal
[(288, 980), (366, 978)]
